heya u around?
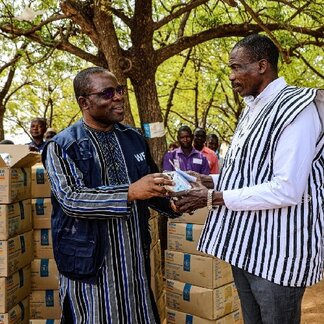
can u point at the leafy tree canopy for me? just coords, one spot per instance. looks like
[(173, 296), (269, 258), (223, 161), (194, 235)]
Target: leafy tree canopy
[(173, 54)]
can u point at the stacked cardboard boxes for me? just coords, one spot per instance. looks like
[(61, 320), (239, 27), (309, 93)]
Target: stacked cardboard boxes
[(157, 280), (44, 299), (16, 252), (199, 288)]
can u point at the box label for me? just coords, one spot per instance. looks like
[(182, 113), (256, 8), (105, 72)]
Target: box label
[(40, 206), (44, 268), (22, 210), (44, 236), (22, 244), (25, 176), (40, 176), (186, 262), (189, 319), (22, 310), (21, 278), (189, 232), (49, 295), (186, 292)]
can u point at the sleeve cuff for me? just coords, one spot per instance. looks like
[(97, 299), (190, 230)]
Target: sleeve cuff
[(215, 178)]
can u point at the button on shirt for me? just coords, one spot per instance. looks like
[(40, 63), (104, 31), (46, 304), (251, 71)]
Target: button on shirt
[(195, 161)]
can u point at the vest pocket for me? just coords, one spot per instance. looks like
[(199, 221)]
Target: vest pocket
[(76, 257)]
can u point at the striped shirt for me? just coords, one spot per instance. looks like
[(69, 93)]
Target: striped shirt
[(121, 294), (281, 244)]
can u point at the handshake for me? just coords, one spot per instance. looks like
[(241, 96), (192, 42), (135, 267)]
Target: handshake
[(191, 191), (182, 180)]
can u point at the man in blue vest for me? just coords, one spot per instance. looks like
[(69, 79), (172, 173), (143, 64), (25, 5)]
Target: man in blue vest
[(103, 180), (266, 209)]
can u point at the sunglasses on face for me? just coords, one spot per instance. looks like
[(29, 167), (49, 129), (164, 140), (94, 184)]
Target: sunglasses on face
[(109, 93)]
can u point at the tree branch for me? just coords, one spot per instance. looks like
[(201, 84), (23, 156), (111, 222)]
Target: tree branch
[(63, 45), (81, 15), (299, 55), (174, 87), (258, 20), (228, 30), (191, 5)]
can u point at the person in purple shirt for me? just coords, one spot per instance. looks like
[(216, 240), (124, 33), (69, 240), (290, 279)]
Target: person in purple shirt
[(185, 157)]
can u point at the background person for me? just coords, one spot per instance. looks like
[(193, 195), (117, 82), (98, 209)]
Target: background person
[(199, 141), (185, 157), (50, 133), (267, 219), (6, 141), (101, 187), (212, 143), (37, 130)]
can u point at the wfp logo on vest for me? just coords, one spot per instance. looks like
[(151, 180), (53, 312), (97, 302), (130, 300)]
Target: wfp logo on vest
[(140, 157)]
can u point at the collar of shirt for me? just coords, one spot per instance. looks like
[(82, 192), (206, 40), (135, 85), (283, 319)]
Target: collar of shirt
[(265, 96), (193, 152)]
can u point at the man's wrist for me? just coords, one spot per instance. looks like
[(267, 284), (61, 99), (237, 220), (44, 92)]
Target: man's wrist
[(214, 198), (207, 181)]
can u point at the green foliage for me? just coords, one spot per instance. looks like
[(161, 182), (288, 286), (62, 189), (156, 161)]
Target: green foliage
[(195, 102)]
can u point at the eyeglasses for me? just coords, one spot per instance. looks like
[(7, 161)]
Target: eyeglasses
[(109, 93)]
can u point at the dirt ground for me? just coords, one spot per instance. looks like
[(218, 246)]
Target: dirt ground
[(313, 305)]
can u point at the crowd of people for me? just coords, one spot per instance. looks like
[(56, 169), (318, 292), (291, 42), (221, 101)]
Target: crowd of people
[(191, 152), (265, 206)]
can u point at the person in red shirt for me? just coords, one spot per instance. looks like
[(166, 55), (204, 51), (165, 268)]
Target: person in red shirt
[(199, 144)]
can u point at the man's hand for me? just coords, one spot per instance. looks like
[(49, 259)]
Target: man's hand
[(204, 179), (151, 185), (189, 200)]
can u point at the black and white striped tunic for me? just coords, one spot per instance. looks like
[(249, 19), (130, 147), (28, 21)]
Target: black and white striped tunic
[(283, 245)]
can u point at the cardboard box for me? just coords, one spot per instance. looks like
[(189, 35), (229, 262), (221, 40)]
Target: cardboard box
[(41, 213), (15, 253), (203, 302), (15, 219), (40, 185), (184, 237), (155, 257), (14, 289), (154, 230), (44, 274), (18, 314), (45, 304), (198, 217), (15, 172), (44, 321), (154, 213), (197, 270), (43, 245), (160, 304), (157, 284), (176, 317)]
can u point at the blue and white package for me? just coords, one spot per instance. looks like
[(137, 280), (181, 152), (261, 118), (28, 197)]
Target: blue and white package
[(181, 183)]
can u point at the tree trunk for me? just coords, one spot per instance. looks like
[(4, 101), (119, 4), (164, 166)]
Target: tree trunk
[(149, 111), (2, 111)]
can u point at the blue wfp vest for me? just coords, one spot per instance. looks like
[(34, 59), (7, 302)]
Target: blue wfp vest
[(81, 257)]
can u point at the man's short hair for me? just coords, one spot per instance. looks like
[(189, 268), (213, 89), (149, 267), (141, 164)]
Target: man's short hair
[(81, 83), (212, 136), (260, 47), (40, 120), (200, 129), (184, 128)]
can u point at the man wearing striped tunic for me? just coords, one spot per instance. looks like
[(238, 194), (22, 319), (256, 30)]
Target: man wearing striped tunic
[(266, 208), (102, 184)]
